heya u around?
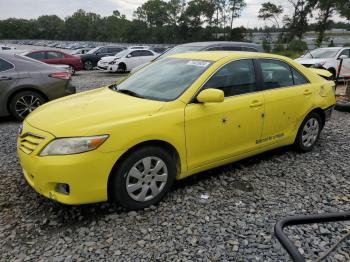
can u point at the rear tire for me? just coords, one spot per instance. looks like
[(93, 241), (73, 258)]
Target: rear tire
[(23, 103), (309, 132), (142, 178)]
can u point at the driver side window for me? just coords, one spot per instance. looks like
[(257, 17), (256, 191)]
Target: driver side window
[(235, 78)]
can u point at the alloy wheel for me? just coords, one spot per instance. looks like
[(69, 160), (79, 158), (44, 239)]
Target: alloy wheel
[(146, 179), (310, 132), (26, 104)]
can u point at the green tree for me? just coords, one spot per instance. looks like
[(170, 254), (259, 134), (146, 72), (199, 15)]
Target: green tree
[(50, 27), (297, 23), (235, 9), (270, 11), (326, 10)]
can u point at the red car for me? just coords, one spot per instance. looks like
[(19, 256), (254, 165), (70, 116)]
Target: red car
[(57, 58)]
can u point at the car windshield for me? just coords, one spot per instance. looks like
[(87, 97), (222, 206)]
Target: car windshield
[(122, 53), (164, 80), (92, 51), (322, 53), (179, 50)]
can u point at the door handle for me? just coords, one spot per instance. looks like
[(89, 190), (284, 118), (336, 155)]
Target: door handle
[(256, 103), (4, 78), (307, 92)]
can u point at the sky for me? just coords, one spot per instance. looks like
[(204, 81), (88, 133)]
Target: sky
[(63, 8)]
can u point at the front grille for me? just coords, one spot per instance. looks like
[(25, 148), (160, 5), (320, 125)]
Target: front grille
[(29, 142)]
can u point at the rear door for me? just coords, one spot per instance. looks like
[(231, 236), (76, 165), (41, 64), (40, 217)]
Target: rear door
[(8, 79), (288, 97)]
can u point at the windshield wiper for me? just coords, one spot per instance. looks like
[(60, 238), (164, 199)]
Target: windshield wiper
[(129, 92)]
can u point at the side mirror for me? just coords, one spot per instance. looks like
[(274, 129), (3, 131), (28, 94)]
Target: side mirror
[(210, 95), (128, 56), (343, 57)]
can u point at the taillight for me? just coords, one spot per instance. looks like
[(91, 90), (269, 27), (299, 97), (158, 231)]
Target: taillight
[(61, 75)]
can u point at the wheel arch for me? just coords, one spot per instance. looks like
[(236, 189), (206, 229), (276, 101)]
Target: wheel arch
[(23, 89), (158, 143), (122, 63)]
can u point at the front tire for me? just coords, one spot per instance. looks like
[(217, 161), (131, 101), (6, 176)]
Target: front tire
[(88, 65), (309, 132), (121, 68), (142, 178), (23, 103)]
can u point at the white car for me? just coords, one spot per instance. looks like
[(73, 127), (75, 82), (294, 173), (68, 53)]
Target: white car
[(126, 60), (328, 58)]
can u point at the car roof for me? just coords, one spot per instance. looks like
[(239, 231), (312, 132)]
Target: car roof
[(331, 48), (216, 43), (218, 55)]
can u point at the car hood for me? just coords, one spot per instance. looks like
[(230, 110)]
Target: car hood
[(311, 61), (90, 113)]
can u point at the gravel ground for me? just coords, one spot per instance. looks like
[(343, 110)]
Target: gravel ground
[(235, 223)]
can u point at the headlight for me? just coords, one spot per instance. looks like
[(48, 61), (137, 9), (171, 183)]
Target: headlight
[(20, 129), (318, 65), (73, 145)]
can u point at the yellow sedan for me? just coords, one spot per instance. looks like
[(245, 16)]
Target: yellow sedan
[(186, 113)]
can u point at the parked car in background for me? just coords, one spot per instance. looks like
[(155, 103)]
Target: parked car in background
[(57, 58), (328, 58), (177, 117), (209, 46), (80, 51), (91, 58), (126, 60), (7, 48), (159, 49), (138, 47), (26, 84)]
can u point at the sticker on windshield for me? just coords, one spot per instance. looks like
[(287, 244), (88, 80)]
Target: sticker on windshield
[(198, 63)]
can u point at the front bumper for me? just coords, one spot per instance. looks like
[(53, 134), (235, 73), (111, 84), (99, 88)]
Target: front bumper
[(86, 174), (102, 66)]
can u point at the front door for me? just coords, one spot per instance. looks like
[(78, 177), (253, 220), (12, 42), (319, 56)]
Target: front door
[(217, 131)]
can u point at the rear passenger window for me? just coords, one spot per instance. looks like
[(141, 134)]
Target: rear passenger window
[(235, 78), (232, 48), (4, 65), (276, 74), (298, 78), (249, 49), (214, 48)]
